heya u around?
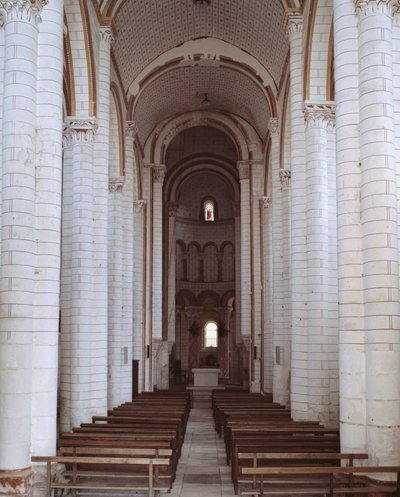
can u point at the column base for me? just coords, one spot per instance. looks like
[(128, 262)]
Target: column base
[(16, 482)]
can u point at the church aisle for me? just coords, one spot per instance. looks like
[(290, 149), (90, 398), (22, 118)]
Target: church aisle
[(202, 469)]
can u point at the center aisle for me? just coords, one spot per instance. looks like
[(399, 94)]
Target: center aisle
[(202, 469)]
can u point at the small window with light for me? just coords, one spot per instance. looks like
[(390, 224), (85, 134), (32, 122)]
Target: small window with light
[(211, 334), (209, 210)]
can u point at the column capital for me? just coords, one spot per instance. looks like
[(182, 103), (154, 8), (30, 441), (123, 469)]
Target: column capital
[(106, 34), (79, 130), (244, 169), (116, 185), (273, 126), (139, 205), (172, 209), (320, 115), (293, 22), (131, 129), (159, 171), (285, 176), (266, 202), (24, 10), (366, 7)]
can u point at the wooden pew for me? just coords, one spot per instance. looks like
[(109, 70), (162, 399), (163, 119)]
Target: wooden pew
[(277, 431), (292, 458), (320, 480), (112, 474)]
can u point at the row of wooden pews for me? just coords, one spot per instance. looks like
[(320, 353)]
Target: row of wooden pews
[(272, 455), (134, 448)]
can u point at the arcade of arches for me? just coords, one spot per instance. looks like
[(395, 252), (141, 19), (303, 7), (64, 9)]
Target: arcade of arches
[(167, 164)]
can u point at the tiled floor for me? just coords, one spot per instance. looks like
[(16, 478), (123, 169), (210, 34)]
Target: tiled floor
[(202, 469)]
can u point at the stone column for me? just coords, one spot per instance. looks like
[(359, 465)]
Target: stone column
[(48, 233), (20, 21), (128, 260), (172, 210), (245, 255), (298, 221), (318, 117), (85, 351), (380, 231), (257, 190), (280, 333), (238, 275), (101, 196), (139, 288), (267, 313), (158, 351), (351, 322), (115, 290)]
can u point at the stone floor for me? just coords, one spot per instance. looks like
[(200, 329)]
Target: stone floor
[(202, 469)]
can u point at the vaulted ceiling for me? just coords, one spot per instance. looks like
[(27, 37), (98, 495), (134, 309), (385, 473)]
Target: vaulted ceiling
[(147, 30)]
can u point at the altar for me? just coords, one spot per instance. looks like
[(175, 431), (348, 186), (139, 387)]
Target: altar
[(205, 377)]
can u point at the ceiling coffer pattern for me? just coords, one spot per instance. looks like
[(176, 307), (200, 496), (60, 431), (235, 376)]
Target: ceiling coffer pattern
[(148, 28), (182, 90)]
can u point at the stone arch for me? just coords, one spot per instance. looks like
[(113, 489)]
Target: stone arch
[(185, 298), (245, 138)]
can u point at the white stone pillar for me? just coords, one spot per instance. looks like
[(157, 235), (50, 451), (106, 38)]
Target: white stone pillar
[(238, 275), (115, 290), (101, 196), (333, 312), (257, 190), (380, 231), (245, 255), (280, 332), (299, 371), (318, 117), (351, 322), (267, 314), (48, 232), (128, 260), (159, 353), (139, 289), (172, 210), (20, 21), (87, 349)]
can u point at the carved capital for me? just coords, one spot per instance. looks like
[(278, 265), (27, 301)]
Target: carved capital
[(367, 7), (293, 22), (320, 115), (244, 169), (273, 126), (23, 10), (285, 176), (159, 171), (266, 202), (131, 129), (139, 205), (172, 209), (79, 130), (106, 34), (116, 185)]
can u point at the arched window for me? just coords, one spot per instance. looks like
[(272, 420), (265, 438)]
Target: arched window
[(211, 334), (209, 210)]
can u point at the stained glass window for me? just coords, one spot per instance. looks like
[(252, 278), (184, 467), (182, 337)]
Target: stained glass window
[(209, 210)]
